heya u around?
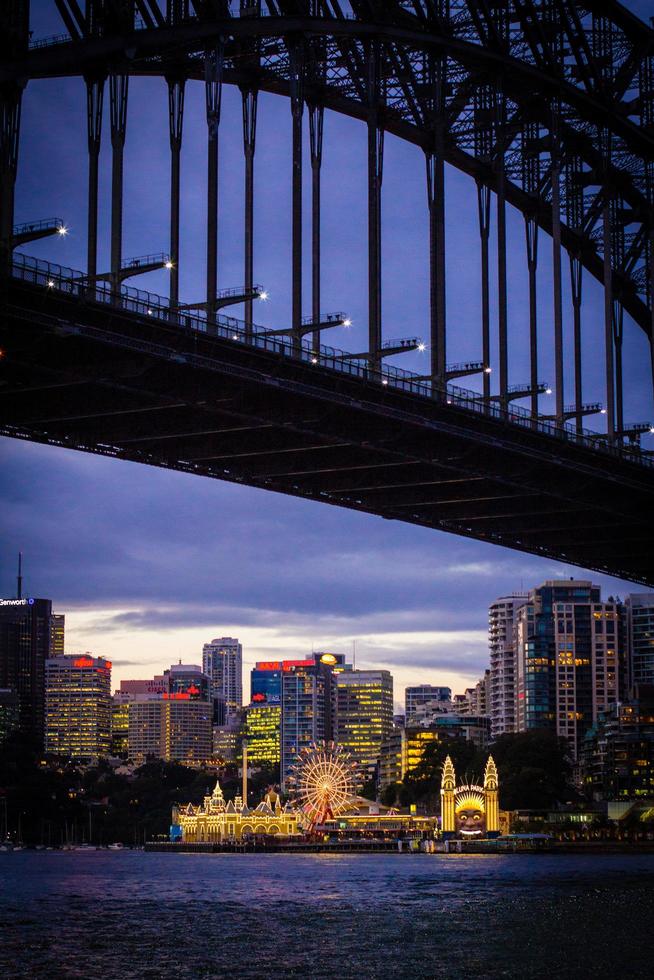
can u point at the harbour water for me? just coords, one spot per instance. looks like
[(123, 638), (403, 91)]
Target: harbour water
[(128, 914)]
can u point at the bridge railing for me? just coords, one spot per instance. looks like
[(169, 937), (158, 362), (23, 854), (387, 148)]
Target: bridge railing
[(145, 304)]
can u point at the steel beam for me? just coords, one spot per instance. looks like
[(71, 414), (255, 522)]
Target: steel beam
[(502, 299), (316, 126), (608, 319), (483, 203), (531, 234), (576, 270), (249, 102), (213, 79), (375, 173), (618, 330), (175, 123), (10, 106), (94, 104), (556, 269), (435, 162), (118, 89), (296, 54)]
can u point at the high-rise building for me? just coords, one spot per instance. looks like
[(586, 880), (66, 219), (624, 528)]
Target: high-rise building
[(617, 754), (263, 724), (222, 662), (186, 682), (307, 703), (640, 637), (57, 634), (9, 712), (228, 739), (120, 726), (78, 707), (569, 657), (501, 642), (364, 714), (476, 700), (266, 684), (177, 730), (25, 645), (421, 694), (154, 687)]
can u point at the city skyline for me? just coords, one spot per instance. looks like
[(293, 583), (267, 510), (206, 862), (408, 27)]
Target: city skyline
[(99, 632)]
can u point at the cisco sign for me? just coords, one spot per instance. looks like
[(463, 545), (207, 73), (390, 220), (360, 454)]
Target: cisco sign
[(16, 602)]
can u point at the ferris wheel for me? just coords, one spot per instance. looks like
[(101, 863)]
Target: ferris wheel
[(322, 781)]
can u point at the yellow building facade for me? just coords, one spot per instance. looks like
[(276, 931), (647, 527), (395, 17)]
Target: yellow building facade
[(214, 821), (470, 810)]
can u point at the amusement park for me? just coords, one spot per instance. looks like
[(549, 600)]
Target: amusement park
[(323, 811)]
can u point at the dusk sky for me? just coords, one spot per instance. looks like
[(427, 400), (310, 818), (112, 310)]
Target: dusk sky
[(148, 564)]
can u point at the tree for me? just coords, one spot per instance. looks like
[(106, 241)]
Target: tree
[(534, 769)]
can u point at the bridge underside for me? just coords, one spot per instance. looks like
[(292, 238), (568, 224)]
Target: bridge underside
[(74, 374)]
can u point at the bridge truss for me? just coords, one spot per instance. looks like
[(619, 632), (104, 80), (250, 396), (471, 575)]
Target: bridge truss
[(548, 105)]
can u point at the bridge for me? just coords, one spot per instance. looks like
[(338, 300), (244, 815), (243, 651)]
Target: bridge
[(547, 106)]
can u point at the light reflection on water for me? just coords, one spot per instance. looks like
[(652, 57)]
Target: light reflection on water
[(129, 914)]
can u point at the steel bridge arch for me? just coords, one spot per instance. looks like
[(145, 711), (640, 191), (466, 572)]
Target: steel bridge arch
[(160, 46)]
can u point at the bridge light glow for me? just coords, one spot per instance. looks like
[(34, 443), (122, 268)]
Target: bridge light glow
[(62, 230), (488, 370), (651, 429), (50, 283), (168, 264), (347, 322), (263, 295), (384, 381), (234, 336), (548, 391), (149, 312), (422, 347), (602, 411), (314, 360)]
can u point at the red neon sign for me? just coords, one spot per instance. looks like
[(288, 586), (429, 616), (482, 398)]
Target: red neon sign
[(83, 662)]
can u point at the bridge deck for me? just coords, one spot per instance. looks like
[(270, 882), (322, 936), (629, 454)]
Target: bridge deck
[(78, 374)]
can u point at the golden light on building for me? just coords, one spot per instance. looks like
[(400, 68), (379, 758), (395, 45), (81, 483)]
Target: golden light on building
[(78, 707), (215, 821), (263, 733), (469, 809)]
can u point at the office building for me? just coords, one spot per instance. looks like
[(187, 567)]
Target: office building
[(617, 753), (263, 724), (228, 739), (415, 697), (57, 634), (569, 658), (364, 714), (78, 707), (501, 643), (640, 638), (9, 713), (307, 703), (120, 726), (171, 728), (186, 682), (152, 687), (266, 683), (222, 662), (25, 645), (475, 700)]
